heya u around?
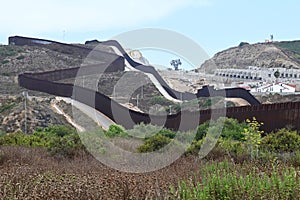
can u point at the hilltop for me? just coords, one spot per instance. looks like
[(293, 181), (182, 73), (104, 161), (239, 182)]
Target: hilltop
[(270, 55)]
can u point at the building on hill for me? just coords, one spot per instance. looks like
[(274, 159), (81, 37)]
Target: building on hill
[(275, 88), (262, 74)]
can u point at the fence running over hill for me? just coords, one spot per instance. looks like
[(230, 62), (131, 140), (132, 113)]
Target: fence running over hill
[(274, 116), (108, 57)]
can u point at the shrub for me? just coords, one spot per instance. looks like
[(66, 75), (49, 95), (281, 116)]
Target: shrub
[(58, 140), (167, 133), (243, 44), (64, 146), (233, 148), (154, 143), (4, 61), (159, 100), (232, 129), (13, 139), (60, 131), (8, 51), (115, 130), (20, 57), (6, 74), (201, 131), (144, 130), (283, 140), (253, 136), (2, 133), (194, 147)]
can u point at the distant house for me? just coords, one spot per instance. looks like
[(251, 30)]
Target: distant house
[(275, 88)]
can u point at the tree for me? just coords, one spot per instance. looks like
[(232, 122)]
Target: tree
[(175, 64), (277, 74)]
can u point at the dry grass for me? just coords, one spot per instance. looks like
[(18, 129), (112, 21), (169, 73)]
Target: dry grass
[(31, 173)]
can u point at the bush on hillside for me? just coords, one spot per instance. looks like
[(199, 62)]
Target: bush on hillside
[(144, 130), (154, 143), (283, 140), (115, 131), (58, 140), (232, 129)]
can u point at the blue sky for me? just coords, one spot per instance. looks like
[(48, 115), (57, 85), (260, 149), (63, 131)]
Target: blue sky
[(214, 24)]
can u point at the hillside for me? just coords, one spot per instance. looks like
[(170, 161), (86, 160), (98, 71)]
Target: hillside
[(19, 59), (276, 54)]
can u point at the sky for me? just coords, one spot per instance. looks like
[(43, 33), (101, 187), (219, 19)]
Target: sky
[(213, 24)]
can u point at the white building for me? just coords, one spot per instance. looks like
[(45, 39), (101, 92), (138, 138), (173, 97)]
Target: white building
[(262, 74), (275, 88)]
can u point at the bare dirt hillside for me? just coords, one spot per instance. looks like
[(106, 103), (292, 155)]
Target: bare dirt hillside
[(15, 60), (277, 54)]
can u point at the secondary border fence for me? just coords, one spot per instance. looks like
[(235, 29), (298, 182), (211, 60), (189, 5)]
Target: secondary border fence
[(274, 116), (109, 57)]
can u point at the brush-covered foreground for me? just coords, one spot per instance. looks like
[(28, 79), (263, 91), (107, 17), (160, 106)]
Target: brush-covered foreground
[(245, 163)]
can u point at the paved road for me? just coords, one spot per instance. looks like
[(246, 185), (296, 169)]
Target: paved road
[(68, 118), (95, 115)]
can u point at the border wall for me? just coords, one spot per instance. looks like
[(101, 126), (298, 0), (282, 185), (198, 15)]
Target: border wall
[(108, 57)]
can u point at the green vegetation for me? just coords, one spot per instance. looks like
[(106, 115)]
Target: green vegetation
[(253, 136), (243, 44), (282, 141), (58, 140), (290, 45), (6, 74), (6, 107), (143, 131), (293, 46), (20, 57), (116, 131), (240, 141), (277, 74), (160, 100), (244, 164), (224, 180), (232, 129), (8, 51), (154, 143), (4, 61)]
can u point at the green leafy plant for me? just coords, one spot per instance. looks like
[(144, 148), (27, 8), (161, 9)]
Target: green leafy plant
[(253, 136), (281, 141), (154, 143), (231, 129), (58, 140), (225, 180), (116, 130)]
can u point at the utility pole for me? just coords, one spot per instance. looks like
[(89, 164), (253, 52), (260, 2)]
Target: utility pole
[(24, 93), (137, 100), (142, 92), (114, 93), (64, 35)]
